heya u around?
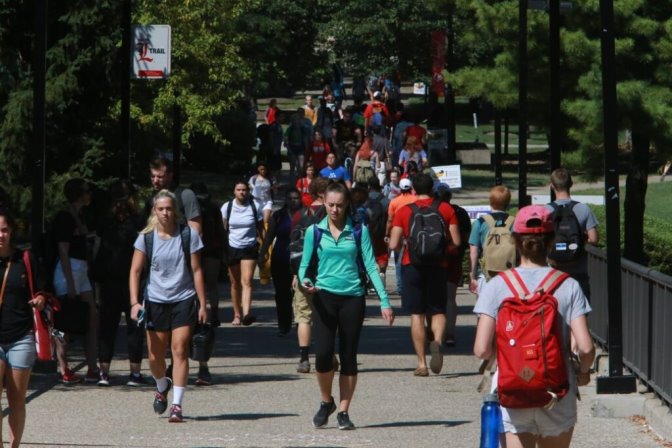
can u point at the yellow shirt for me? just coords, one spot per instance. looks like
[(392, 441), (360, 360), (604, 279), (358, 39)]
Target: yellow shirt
[(311, 114)]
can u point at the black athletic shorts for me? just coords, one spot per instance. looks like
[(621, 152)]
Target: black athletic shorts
[(247, 253), (168, 316), (424, 289)]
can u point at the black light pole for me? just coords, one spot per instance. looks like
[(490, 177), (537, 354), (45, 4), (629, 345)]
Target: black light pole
[(555, 140), (616, 382), (450, 93), (39, 123), (126, 155), (522, 103), (498, 149), (177, 139)]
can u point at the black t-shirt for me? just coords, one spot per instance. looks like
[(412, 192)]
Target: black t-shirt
[(345, 132), (66, 231), (16, 315), (113, 260)]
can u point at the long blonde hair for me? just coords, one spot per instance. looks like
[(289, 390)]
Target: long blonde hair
[(153, 220)]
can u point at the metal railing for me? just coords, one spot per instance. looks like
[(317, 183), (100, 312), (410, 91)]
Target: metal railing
[(647, 319)]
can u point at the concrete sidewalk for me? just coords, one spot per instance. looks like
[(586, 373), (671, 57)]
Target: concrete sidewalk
[(258, 399)]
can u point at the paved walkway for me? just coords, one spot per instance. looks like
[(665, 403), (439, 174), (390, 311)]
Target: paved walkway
[(260, 400)]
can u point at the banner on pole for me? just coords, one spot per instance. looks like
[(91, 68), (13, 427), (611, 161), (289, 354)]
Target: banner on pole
[(150, 51), (438, 62)]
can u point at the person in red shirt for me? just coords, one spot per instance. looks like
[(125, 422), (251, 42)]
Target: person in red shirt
[(319, 149), (417, 131), (303, 184), (424, 287), (376, 113)]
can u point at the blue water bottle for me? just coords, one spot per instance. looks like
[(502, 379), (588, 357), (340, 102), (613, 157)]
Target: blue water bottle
[(491, 421)]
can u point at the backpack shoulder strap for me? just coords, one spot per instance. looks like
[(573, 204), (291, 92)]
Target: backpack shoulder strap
[(552, 281), (185, 237), (357, 234), (149, 247), (229, 209), (254, 211), (572, 204), (509, 222), (554, 205), (489, 220), (29, 273), (515, 283)]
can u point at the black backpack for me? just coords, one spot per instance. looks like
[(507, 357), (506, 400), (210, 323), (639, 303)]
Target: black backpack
[(569, 243), (185, 237), (427, 235), (376, 217), (298, 233)]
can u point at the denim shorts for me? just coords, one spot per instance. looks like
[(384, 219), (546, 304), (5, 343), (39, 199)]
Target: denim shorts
[(19, 354), (80, 275)]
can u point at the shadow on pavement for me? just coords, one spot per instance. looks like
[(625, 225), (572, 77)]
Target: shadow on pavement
[(237, 379), (415, 424), (238, 417)]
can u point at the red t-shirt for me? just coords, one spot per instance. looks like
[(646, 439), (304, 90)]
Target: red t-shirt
[(271, 115), (375, 107), (303, 185), (318, 154), (416, 131), (403, 219)]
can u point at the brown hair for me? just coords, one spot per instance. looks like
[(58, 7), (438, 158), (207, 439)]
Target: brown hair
[(561, 180), (533, 246), (500, 197), (318, 187)]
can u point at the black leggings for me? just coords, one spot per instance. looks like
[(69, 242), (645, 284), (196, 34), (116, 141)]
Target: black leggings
[(332, 313), (115, 301), (282, 280)]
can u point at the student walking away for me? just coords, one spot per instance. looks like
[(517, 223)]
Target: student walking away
[(262, 186), (213, 238), (413, 154), (325, 120), (335, 256), (278, 235), (366, 161), (243, 224), (376, 113), (346, 132), (429, 227), (359, 89), (302, 301), (381, 146), (161, 176), (491, 246), (174, 298), (297, 138), (335, 172), (406, 197), (110, 271), (539, 404), (455, 260), (376, 207), (303, 184), (17, 342), (399, 137), (575, 226), (71, 276)]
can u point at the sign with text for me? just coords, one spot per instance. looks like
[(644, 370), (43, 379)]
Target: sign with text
[(150, 51), (476, 211), (449, 174)]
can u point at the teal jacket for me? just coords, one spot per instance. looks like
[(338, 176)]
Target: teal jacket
[(337, 270)]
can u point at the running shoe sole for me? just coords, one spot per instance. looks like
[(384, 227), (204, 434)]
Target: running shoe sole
[(436, 362)]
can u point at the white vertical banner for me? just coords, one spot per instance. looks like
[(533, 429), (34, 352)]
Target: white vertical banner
[(150, 51)]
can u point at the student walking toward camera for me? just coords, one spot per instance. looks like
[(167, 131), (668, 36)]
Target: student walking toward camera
[(17, 342), (535, 380), (336, 254), (174, 297)]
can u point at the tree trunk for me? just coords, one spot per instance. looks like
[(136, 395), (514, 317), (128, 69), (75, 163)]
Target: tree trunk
[(635, 199)]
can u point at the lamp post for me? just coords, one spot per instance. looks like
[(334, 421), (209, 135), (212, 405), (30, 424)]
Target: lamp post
[(522, 103), (125, 153), (616, 382)]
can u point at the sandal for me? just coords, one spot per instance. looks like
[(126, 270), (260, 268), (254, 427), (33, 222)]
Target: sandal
[(421, 371), (236, 321)]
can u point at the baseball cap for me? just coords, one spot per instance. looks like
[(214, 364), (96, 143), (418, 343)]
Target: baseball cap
[(405, 184), (533, 219)]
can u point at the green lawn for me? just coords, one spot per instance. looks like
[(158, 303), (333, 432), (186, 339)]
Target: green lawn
[(658, 202)]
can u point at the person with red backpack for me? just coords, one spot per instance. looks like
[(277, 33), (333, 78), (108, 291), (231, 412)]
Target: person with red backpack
[(528, 314), (429, 228)]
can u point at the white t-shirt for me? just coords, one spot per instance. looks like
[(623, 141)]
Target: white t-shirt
[(242, 228), (170, 279), (571, 302), (261, 190)]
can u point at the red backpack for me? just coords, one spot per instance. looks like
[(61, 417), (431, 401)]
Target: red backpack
[(531, 364)]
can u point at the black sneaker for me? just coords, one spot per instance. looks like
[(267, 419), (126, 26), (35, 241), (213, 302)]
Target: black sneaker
[(204, 378), (344, 421), (161, 399), (169, 371), (322, 417), (136, 380)]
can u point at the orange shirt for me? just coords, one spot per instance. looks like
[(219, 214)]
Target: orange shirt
[(398, 202)]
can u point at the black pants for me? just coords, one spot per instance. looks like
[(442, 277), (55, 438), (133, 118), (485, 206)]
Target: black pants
[(114, 301), (331, 314), (282, 281)]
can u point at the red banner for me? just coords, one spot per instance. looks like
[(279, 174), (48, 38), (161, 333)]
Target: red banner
[(438, 61)]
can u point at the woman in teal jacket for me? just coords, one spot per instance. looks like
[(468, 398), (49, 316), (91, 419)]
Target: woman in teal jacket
[(332, 274)]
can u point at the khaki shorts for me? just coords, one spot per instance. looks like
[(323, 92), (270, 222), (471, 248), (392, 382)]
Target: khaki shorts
[(302, 307), (542, 422)]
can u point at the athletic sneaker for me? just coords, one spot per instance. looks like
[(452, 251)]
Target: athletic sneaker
[(104, 379), (169, 371), (204, 378), (322, 417), (344, 421), (161, 399), (136, 380), (69, 377), (303, 367), (175, 414), (436, 361), (92, 376)]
